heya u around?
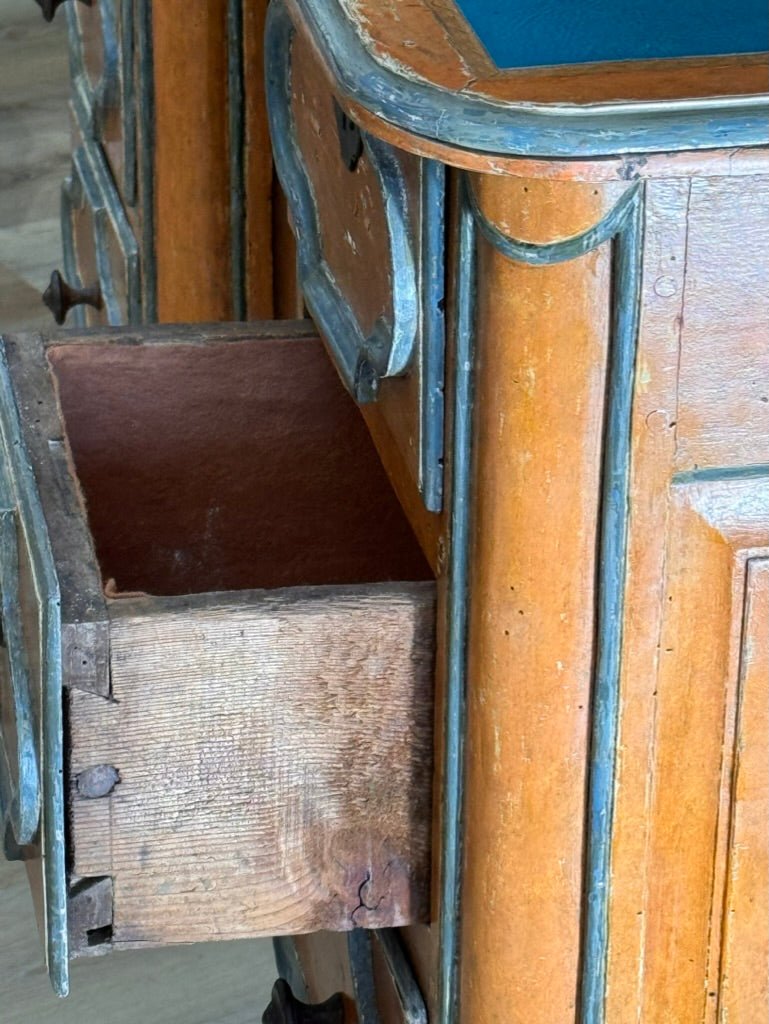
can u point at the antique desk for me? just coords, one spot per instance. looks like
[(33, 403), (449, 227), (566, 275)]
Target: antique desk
[(535, 247)]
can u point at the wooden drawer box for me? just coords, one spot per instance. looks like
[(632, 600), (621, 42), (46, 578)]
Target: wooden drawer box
[(207, 556)]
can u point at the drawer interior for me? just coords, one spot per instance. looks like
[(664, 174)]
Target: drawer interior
[(227, 465)]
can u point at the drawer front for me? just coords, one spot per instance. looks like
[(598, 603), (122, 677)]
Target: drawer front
[(31, 752), (247, 655), (99, 245), (103, 71), (369, 226)]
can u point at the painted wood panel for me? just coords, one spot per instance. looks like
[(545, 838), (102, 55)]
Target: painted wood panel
[(744, 969)]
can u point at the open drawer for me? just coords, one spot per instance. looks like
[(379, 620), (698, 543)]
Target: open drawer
[(217, 643)]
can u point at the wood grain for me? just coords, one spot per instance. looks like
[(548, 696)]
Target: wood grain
[(744, 979), (260, 255), (274, 755), (191, 186), (538, 429), (723, 402)]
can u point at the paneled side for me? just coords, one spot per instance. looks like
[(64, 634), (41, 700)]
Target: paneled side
[(744, 974), (723, 401), (712, 534)]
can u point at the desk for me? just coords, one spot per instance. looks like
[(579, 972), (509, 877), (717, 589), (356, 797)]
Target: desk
[(598, 419)]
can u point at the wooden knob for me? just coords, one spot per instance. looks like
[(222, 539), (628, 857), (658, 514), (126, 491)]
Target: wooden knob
[(49, 7), (60, 297), (285, 1008)]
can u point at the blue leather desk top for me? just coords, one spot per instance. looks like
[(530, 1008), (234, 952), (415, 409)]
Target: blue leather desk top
[(536, 33)]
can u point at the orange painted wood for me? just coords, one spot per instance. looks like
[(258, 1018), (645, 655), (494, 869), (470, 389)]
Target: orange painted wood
[(695, 550), (192, 220), (744, 977), (538, 426), (260, 256)]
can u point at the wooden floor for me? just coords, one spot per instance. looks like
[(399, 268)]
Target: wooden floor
[(214, 983)]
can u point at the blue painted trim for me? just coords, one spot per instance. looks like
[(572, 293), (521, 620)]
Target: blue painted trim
[(51, 726), (457, 599), (362, 972), (128, 101), (71, 199), (612, 568), (550, 131), (433, 347), (623, 225), (108, 212), (362, 360), (19, 789), (412, 1003), (146, 170), (94, 98), (693, 476), (554, 252)]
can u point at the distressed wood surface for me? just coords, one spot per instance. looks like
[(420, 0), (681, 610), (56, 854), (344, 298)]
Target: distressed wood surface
[(260, 256), (85, 636), (274, 754), (429, 42), (351, 216)]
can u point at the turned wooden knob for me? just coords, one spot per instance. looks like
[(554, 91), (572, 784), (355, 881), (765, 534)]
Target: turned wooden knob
[(49, 7), (60, 297), (285, 1008)]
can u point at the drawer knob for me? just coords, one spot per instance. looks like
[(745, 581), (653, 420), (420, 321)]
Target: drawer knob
[(60, 297), (49, 7), (285, 1008)]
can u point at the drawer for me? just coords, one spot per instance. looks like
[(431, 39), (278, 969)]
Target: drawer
[(218, 629), (101, 253), (369, 224)]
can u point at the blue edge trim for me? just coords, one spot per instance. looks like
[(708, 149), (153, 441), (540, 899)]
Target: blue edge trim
[(623, 227), (476, 123), (391, 347), (24, 494)]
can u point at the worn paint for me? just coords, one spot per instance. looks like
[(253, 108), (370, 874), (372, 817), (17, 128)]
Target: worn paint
[(477, 123)]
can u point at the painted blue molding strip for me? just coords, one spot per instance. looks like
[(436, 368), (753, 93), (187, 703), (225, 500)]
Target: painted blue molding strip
[(622, 226), (555, 130), (612, 567), (433, 333), (20, 784), (22, 486), (541, 33), (458, 595), (362, 359)]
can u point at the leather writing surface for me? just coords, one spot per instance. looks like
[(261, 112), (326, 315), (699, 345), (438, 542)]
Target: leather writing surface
[(535, 33)]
